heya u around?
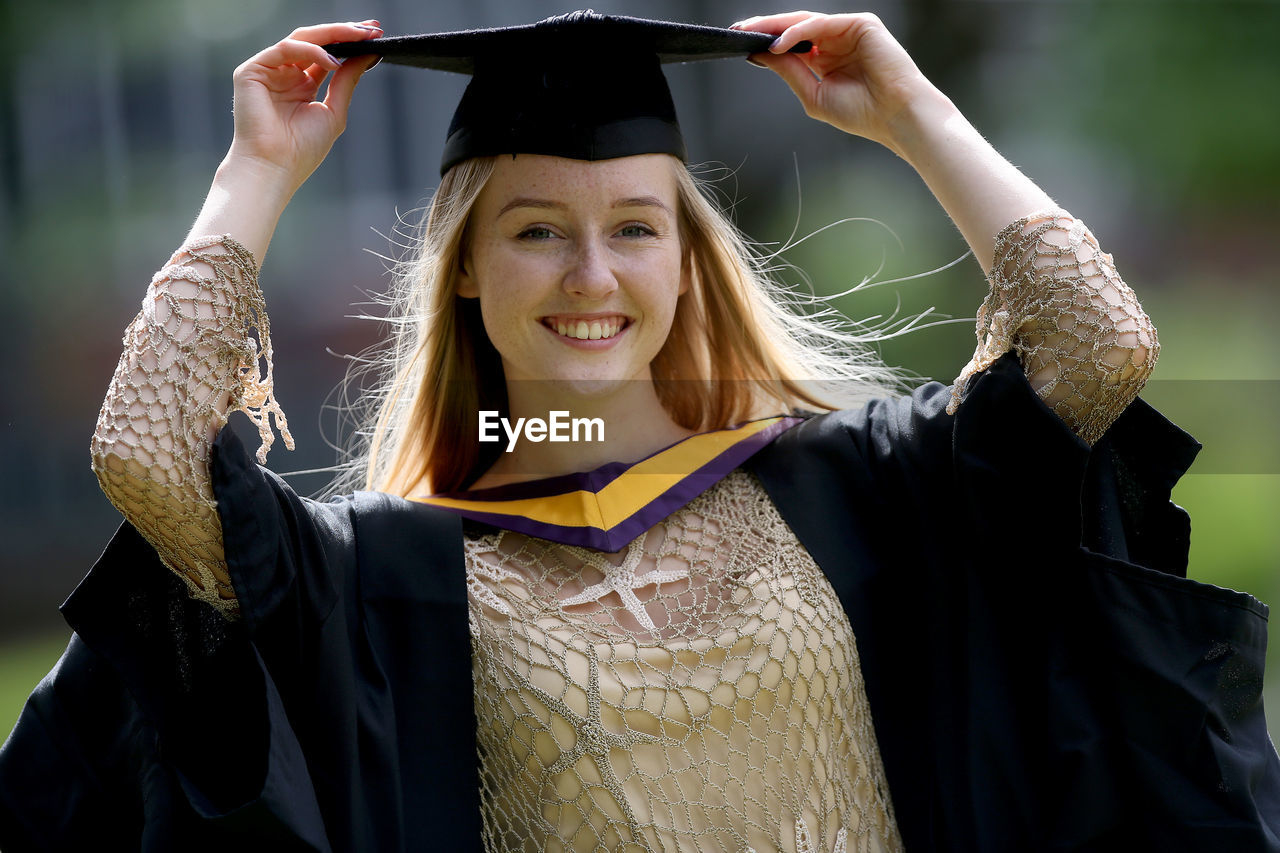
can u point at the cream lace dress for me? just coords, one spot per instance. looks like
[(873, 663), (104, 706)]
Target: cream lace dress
[(699, 691)]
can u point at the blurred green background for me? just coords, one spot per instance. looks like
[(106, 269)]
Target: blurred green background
[(1153, 121)]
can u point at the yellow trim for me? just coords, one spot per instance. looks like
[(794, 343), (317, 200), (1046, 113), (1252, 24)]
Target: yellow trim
[(629, 492)]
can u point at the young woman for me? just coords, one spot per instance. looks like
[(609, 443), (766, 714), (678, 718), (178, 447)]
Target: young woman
[(949, 620)]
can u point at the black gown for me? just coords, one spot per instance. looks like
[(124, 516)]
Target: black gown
[(1041, 674)]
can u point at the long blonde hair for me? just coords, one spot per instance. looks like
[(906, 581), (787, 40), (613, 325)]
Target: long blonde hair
[(741, 345)]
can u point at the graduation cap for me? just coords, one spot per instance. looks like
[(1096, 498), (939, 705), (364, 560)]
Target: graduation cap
[(582, 85)]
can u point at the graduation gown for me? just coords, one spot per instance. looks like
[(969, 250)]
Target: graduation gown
[(1041, 673)]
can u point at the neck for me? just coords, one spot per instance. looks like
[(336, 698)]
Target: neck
[(623, 423)]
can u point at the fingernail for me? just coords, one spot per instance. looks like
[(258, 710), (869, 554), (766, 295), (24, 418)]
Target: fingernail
[(365, 27), (375, 62), (336, 60), (735, 25), (757, 63), (776, 42)]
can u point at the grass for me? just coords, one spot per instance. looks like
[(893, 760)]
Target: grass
[(22, 664)]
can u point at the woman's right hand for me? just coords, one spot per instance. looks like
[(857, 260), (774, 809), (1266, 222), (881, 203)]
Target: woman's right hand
[(279, 124)]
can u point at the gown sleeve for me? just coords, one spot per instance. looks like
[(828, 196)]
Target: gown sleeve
[(164, 721), (1148, 683), (1042, 673), (335, 714)]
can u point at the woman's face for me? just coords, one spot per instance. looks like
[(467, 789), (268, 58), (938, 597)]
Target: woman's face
[(578, 266)]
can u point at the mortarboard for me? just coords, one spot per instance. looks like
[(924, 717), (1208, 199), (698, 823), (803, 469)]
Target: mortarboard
[(582, 85)]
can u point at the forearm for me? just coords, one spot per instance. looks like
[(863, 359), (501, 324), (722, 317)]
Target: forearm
[(979, 189), (201, 345), (1056, 299), (246, 200), (189, 358)]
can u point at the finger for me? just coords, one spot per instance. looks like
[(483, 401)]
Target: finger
[(329, 33), (795, 72), (343, 84), (317, 73), (833, 33), (292, 51), (772, 24)]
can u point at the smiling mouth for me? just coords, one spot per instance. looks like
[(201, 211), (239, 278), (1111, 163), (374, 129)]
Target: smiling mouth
[(596, 329)]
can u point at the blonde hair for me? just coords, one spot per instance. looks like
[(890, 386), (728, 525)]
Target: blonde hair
[(741, 345)]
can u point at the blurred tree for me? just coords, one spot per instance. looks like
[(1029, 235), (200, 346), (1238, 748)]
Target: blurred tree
[(1199, 81)]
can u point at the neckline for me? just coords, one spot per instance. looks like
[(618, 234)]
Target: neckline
[(609, 506)]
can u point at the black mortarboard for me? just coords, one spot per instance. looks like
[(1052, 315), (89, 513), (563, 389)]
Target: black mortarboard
[(582, 85)]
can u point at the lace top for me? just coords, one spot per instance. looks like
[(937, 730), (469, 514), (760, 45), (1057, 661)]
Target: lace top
[(1057, 301), (700, 691)]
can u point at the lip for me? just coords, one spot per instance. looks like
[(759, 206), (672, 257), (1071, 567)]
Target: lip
[(551, 322)]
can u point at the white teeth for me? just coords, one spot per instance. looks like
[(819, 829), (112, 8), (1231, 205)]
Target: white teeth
[(594, 331)]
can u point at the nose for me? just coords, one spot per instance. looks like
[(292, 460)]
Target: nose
[(590, 275)]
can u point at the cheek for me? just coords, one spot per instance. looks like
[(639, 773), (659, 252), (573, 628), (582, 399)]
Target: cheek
[(660, 307), (665, 296), (505, 287)]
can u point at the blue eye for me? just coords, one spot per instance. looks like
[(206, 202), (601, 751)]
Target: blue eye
[(536, 232), (635, 230)]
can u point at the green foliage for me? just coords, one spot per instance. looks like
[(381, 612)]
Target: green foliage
[(1183, 90), (22, 664)]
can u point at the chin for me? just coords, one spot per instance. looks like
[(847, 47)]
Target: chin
[(592, 387)]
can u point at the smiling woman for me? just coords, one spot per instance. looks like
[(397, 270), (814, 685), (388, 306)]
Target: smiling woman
[(561, 251), (551, 242), (779, 606)]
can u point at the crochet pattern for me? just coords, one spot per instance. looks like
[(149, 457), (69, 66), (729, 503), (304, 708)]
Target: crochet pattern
[(716, 703), (189, 359), (1057, 301)]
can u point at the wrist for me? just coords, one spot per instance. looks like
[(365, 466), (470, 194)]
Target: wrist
[(270, 184), (922, 121), (245, 200)]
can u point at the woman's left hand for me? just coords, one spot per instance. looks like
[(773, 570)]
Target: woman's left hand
[(857, 77)]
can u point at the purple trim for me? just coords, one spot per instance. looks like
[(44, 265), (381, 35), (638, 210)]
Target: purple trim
[(588, 537), (692, 485), (614, 539), (588, 481)]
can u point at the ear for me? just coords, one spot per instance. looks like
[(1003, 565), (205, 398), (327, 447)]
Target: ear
[(467, 287)]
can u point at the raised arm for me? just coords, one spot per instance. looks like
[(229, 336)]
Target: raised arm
[(1056, 299), (200, 347)]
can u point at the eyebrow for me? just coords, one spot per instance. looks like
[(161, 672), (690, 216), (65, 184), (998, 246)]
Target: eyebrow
[(547, 204)]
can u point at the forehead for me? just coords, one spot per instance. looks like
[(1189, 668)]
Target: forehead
[(580, 181)]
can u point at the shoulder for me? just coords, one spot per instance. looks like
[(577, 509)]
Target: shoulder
[(406, 549), (908, 429)]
